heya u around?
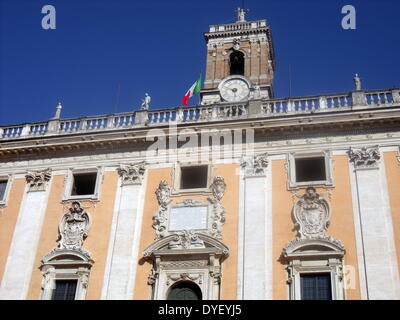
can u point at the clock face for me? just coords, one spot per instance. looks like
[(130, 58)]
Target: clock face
[(234, 90)]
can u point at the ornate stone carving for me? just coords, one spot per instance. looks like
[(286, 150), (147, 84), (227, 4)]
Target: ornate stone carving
[(132, 174), (74, 228), (37, 181), (184, 264), (312, 214), (163, 193), (365, 157), (186, 240), (255, 166), (218, 188), (184, 276), (160, 218), (153, 276), (216, 275), (216, 213)]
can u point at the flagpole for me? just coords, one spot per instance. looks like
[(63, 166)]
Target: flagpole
[(201, 71)]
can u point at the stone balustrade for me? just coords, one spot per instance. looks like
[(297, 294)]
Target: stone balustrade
[(206, 113)]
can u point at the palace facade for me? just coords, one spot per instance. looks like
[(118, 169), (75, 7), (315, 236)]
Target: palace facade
[(245, 196)]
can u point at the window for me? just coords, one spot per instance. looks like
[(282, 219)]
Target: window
[(3, 188), (194, 177), (316, 287), (185, 291), (310, 169), (65, 275), (65, 290), (237, 63), (84, 184)]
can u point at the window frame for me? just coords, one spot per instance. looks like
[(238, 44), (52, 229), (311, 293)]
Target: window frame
[(70, 183), (291, 168), (177, 174), (65, 265), (9, 179)]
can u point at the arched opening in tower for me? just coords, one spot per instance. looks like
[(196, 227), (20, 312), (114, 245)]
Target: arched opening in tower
[(237, 63)]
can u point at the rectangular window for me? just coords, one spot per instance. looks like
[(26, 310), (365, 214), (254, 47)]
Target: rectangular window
[(194, 177), (316, 286), (3, 188), (84, 184), (65, 290), (310, 169)]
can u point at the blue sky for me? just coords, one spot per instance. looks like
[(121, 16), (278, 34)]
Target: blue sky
[(157, 46)]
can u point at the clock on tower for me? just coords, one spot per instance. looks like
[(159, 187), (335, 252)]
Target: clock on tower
[(240, 61)]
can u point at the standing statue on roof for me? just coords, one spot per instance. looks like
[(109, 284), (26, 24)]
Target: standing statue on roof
[(357, 82), (146, 102), (241, 15)]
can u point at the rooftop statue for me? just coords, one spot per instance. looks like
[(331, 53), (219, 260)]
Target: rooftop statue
[(357, 82), (241, 15), (146, 102)]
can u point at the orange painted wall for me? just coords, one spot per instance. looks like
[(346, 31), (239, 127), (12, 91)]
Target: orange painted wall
[(342, 221), (8, 220), (342, 224), (154, 176), (96, 242), (392, 166), (229, 230), (282, 226)]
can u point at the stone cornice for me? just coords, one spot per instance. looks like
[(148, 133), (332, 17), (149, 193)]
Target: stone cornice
[(369, 120)]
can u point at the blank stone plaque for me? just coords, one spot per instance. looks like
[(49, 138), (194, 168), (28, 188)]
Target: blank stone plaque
[(188, 218)]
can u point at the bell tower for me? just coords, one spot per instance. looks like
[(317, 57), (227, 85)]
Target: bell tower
[(240, 61)]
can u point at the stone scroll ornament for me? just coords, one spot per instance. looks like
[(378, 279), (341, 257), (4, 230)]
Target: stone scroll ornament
[(218, 188), (160, 218), (132, 174), (365, 157), (37, 181), (74, 228)]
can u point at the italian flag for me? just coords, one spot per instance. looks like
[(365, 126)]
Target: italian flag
[(195, 88)]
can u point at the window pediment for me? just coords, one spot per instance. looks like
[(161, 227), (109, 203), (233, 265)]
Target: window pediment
[(189, 242)]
